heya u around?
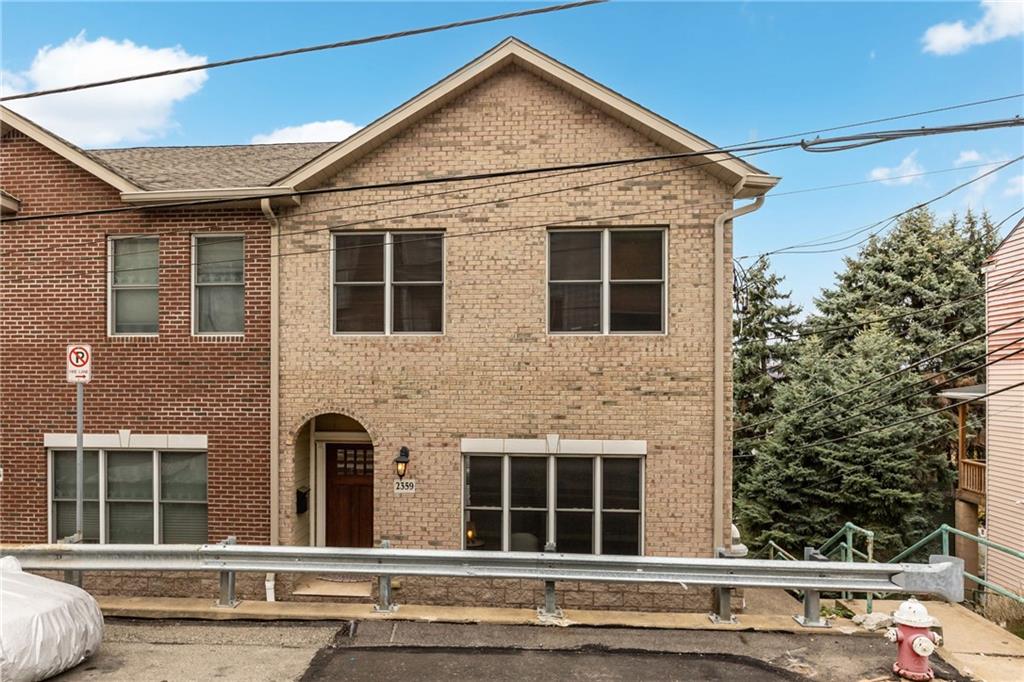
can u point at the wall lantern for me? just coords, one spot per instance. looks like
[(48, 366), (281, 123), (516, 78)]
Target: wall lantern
[(402, 462)]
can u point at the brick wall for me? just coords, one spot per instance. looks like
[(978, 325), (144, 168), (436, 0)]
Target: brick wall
[(53, 291), (496, 373)]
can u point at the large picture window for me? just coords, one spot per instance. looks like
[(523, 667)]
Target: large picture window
[(388, 283), (134, 301), (585, 505), (218, 278), (132, 496), (607, 281)]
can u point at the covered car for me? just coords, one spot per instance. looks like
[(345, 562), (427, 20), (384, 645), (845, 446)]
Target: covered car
[(46, 626)]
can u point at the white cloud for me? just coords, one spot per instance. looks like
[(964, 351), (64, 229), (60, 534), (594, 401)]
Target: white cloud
[(316, 131), (897, 175), (1014, 187), (967, 156), (1001, 19), (132, 112)]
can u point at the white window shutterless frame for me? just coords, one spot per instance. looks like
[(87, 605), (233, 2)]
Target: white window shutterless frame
[(133, 285), (218, 285), (387, 283), (607, 281)]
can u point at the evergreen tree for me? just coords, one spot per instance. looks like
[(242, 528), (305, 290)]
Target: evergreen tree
[(764, 324), (797, 493)]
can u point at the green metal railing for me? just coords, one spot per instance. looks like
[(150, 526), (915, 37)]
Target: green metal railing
[(843, 543)]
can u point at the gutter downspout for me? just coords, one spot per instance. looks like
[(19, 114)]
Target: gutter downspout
[(718, 425), (275, 370)]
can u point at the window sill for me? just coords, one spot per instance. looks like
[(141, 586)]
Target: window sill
[(133, 337), (218, 338)]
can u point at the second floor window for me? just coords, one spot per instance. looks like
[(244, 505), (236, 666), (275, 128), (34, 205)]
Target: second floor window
[(388, 283), (134, 285), (608, 281), (219, 280)]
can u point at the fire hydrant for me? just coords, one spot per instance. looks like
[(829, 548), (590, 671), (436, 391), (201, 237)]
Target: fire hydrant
[(916, 641)]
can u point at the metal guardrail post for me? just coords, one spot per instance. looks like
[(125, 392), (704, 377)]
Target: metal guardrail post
[(722, 599), (384, 601), (227, 598), (812, 598), (550, 608)]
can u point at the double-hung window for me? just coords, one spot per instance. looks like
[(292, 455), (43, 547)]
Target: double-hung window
[(606, 281), (582, 504), (134, 285), (388, 283), (218, 278), (132, 496)]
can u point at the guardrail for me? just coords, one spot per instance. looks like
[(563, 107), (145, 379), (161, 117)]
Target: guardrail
[(942, 577)]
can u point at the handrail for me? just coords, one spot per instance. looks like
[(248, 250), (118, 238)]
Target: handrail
[(941, 577)]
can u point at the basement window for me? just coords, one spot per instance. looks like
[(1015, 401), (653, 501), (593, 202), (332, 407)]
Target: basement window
[(584, 505), (133, 275), (132, 496), (388, 283), (218, 280), (607, 281)]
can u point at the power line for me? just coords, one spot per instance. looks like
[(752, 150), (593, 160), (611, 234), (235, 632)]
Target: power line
[(908, 420), (882, 136), (304, 50), (884, 377)]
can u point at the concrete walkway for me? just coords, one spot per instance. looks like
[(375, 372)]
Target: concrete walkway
[(975, 646)]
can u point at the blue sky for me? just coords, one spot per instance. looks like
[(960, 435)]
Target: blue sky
[(729, 71)]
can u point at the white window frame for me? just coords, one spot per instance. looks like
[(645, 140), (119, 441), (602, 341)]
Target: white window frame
[(389, 281), (606, 281), (194, 299), (51, 522), (111, 313), (552, 490)]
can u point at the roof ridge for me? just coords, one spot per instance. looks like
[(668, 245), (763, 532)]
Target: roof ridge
[(210, 146)]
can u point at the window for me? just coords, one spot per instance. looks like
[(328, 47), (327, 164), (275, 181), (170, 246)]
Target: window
[(389, 283), (586, 505), (132, 496), (606, 281), (218, 275), (134, 289)]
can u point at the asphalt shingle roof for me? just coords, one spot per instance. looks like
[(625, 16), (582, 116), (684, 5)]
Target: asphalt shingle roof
[(168, 168)]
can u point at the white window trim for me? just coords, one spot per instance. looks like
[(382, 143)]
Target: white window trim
[(596, 510), (606, 281), (110, 286), (194, 326), (101, 453), (389, 283)]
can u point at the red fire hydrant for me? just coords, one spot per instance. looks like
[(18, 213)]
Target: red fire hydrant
[(916, 641)]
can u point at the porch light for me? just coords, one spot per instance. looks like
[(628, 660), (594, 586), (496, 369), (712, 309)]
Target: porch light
[(402, 462)]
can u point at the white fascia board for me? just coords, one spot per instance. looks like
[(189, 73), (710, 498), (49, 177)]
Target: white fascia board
[(246, 195)]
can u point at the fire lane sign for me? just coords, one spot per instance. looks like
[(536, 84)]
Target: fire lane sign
[(79, 358)]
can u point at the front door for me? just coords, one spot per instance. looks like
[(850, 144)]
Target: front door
[(349, 502)]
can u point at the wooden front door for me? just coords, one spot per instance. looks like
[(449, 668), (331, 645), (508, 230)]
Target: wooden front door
[(349, 481)]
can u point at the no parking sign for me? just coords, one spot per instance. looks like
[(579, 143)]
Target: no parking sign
[(79, 363)]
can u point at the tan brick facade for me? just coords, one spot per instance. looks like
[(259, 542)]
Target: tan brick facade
[(496, 372)]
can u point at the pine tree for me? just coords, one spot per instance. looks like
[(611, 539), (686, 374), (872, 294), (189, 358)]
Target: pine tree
[(764, 324), (798, 492)]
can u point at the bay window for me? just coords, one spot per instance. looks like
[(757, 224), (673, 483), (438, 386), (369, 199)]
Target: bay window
[(606, 281), (132, 496), (388, 283), (582, 504)]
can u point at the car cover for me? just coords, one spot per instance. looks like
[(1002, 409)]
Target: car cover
[(46, 626)]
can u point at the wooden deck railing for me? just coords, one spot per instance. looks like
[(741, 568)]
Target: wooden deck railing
[(972, 476)]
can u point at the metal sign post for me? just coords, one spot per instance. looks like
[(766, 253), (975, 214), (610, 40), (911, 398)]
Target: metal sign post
[(79, 372)]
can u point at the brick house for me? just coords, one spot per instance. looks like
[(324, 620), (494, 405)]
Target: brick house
[(549, 349)]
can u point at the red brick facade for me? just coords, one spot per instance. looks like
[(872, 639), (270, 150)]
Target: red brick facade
[(53, 290)]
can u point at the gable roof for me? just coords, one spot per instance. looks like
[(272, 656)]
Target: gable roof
[(9, 120), (1012, 234), (219, 167), (728, 168)]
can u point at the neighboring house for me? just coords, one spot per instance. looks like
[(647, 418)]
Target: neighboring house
[(549, 348), (1004, 451)]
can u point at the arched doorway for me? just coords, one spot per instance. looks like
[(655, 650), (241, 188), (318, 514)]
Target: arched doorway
[(341, 472)]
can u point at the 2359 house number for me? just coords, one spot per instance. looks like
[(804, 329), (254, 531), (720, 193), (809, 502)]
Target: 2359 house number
[(405, 486)]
